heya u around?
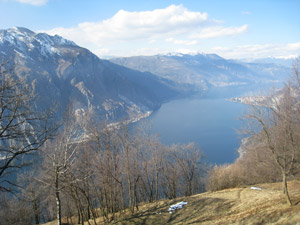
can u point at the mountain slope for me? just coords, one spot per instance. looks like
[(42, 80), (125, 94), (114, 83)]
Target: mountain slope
[(204, 70), (231, 206), (62, 72)]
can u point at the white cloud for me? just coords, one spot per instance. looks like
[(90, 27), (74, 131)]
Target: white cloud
[(102, 51), (182, 42), (259, 51), (149, 51), (187, 51), (125, 26), (213, 32), (294, 46), (172, 29), (33, 2), (174, 25)]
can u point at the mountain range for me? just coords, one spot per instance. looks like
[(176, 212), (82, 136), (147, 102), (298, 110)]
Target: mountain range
[(287, 62), (206, 70), (61, 73)]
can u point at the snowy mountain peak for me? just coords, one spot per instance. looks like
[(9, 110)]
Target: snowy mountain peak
[(54, 40), (24, 40), (193, 55), (178, 54), (20, 31), (213, 56)]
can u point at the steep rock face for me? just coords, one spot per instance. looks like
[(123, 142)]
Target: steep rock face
[(204, 70), (61, 72)]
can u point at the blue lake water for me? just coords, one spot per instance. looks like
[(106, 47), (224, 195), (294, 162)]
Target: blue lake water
[(208, 120)]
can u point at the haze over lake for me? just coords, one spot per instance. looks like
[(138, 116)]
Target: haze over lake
[(208, 120)]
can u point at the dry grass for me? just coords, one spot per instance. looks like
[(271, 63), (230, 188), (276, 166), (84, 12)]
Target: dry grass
[(231, 206)]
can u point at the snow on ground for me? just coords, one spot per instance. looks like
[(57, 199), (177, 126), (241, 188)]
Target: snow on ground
[(176, 206), (255, 188)]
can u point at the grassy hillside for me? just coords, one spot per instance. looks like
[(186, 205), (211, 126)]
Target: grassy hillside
[(231, 206)]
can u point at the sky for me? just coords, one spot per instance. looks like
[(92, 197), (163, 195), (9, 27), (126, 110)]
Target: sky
[(116, 28)]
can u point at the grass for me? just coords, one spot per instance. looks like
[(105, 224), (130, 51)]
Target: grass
[(230, 206)]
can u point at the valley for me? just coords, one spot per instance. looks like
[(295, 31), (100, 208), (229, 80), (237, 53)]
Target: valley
[(184, 94), (97, 155)]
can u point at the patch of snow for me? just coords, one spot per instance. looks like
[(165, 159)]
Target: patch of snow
[(20, 54), (54, 50), (45, 47), (9, 39), (30, 46), (61, 41), (255, 188), (3, 157), (15, 31), (178, 54), (23, 38), (176, 206)]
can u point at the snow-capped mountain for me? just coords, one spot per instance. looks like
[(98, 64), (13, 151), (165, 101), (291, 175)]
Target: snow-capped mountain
[(61, 72), (25, 41), (204, 70)]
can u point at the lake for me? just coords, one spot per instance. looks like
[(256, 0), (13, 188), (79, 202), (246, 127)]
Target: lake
[(207, 119)]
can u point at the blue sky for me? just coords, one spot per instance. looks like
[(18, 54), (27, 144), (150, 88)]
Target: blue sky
[(231, 28)]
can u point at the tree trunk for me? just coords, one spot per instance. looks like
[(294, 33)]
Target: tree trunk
[(58, 207), (78, 212), (130, 193), (90, 209), (190, 186), (156, 184), (285, 189), (36, 211), (57, 197), (135, 203)]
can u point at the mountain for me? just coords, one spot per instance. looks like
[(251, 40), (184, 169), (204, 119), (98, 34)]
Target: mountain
[(287, 62), (205, 70), (61, 72)]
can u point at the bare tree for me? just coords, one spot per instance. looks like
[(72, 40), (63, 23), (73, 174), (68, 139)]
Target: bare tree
[(108, 184), (279, 124), (170, 174), (150, 164), (22, 130), (14, 211), (59, 158), (129, 150), (188, 158), (31, 193)]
